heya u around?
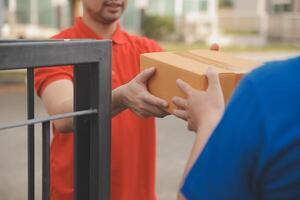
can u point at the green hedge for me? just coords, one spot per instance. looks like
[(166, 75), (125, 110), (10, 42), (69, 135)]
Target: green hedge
[(157, 27), (225, 3)]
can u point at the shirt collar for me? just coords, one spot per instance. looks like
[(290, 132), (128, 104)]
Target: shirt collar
[(117, 38)]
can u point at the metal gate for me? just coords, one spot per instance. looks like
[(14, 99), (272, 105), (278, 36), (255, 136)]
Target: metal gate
[(92, 109)]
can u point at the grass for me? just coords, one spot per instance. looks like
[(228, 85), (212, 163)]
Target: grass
[(18, 76), (177, 46), (12, 76)]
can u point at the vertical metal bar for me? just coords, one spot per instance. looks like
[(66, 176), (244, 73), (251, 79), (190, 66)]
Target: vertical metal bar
[(92, 139), (101, 126), (81, 133), (46, 161), (95, 164), (104, 117), (30, 132)]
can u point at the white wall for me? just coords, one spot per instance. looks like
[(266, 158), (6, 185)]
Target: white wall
[(246, 7), (1, 15)]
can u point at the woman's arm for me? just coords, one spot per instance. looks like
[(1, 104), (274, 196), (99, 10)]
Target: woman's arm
[(202, 110)]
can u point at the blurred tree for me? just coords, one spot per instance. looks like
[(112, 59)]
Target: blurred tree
[(75, 5), (226, 3), (157, 27)]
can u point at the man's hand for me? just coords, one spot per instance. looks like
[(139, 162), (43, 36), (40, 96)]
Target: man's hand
[(214, 47), (201, 108), (137, 98)]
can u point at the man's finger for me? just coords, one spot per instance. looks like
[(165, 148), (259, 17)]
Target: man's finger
[(190, 127), (182, 114), (155, 111), (186, 88), (155, 101), (215, 47), (163, 113), (145, 75), (213, 79), (180, 102), (145, 114)]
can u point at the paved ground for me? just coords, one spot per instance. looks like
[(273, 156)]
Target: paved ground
[(13, 153), (174, 144)]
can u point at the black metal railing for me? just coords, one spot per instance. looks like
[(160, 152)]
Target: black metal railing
[(92, 109)]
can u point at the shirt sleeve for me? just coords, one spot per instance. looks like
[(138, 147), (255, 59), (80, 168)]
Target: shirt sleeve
[(44, 76), (154, 46), (148, 45), (226, 166)]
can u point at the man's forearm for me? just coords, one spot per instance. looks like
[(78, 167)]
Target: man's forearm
[(116, 105), (66, 125)]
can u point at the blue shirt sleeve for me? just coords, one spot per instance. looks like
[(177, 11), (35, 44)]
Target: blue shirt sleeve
[(226, 166), (254, 152)]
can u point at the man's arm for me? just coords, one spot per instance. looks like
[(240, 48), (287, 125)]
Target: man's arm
[(58, 98)]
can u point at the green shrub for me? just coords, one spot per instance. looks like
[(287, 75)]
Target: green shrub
[(226, 3), (157, 27)]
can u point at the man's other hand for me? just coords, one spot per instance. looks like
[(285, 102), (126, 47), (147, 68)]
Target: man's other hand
[(214, 47)]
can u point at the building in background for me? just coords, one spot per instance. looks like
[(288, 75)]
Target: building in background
[(245, 22), (132, 18), (34, 18), (194, 19), (263, 20), (1, 15), (284, 20), (199, 21)]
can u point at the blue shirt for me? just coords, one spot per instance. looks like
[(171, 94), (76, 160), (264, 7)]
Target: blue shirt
[(254, 152)]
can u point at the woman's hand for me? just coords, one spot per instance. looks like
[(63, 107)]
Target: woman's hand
[(201, 108)]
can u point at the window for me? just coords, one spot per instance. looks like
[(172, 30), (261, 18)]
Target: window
[(195, 6), (190, 6), (2, 13), (161, 7), (23, 11), (5, 3), (282, 8), (47, 14), (203, 5), (128, 19)]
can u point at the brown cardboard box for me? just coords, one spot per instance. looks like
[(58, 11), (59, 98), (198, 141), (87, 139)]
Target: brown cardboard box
[(191, 66)]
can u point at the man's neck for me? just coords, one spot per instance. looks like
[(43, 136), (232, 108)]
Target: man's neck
[(106, 31)]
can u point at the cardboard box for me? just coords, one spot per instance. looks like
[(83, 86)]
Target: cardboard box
[(191, 66)]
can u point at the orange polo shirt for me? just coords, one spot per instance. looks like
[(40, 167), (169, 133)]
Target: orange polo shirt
[(133, 138)]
